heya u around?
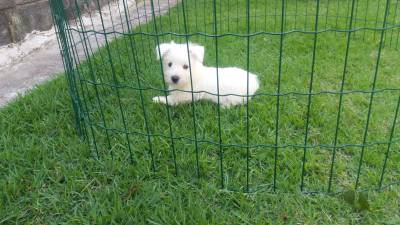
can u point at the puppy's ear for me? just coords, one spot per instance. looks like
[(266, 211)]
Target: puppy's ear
[(197, 51), (163, 48)]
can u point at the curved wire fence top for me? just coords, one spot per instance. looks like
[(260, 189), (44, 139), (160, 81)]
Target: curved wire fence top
[(323, 120)]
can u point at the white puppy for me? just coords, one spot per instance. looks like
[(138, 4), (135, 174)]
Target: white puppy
[(232, 81)]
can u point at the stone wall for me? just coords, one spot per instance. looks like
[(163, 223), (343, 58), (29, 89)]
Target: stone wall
[(19, 17)]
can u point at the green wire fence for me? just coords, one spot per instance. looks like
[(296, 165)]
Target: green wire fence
[(324, 119)]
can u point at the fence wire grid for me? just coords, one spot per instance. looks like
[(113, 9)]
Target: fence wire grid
[(324, 119)]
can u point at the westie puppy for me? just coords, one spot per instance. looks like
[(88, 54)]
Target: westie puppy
[(182, 78)]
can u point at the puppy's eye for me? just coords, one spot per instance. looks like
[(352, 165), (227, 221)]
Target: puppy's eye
[(170, 64), (185, 67)]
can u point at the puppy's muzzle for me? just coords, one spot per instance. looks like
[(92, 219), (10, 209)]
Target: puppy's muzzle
[(175, 79)]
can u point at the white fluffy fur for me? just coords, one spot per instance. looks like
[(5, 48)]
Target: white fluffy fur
[(232, 80)]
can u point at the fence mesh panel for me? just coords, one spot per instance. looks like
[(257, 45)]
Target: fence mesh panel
[(324, 118)]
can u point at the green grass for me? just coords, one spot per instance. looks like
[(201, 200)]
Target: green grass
[(50, 175)]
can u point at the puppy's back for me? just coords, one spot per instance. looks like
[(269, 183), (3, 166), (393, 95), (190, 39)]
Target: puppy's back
[(235, 81)]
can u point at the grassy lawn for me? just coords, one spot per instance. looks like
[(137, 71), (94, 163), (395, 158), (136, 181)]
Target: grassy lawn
[(50, 175)]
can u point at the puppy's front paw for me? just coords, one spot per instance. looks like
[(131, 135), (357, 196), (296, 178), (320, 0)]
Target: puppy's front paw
[(160, 99)]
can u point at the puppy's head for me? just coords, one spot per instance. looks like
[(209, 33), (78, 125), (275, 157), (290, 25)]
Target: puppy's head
[(175, 61)]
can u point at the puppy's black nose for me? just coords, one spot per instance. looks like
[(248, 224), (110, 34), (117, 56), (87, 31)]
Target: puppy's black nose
[(175, 79)]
